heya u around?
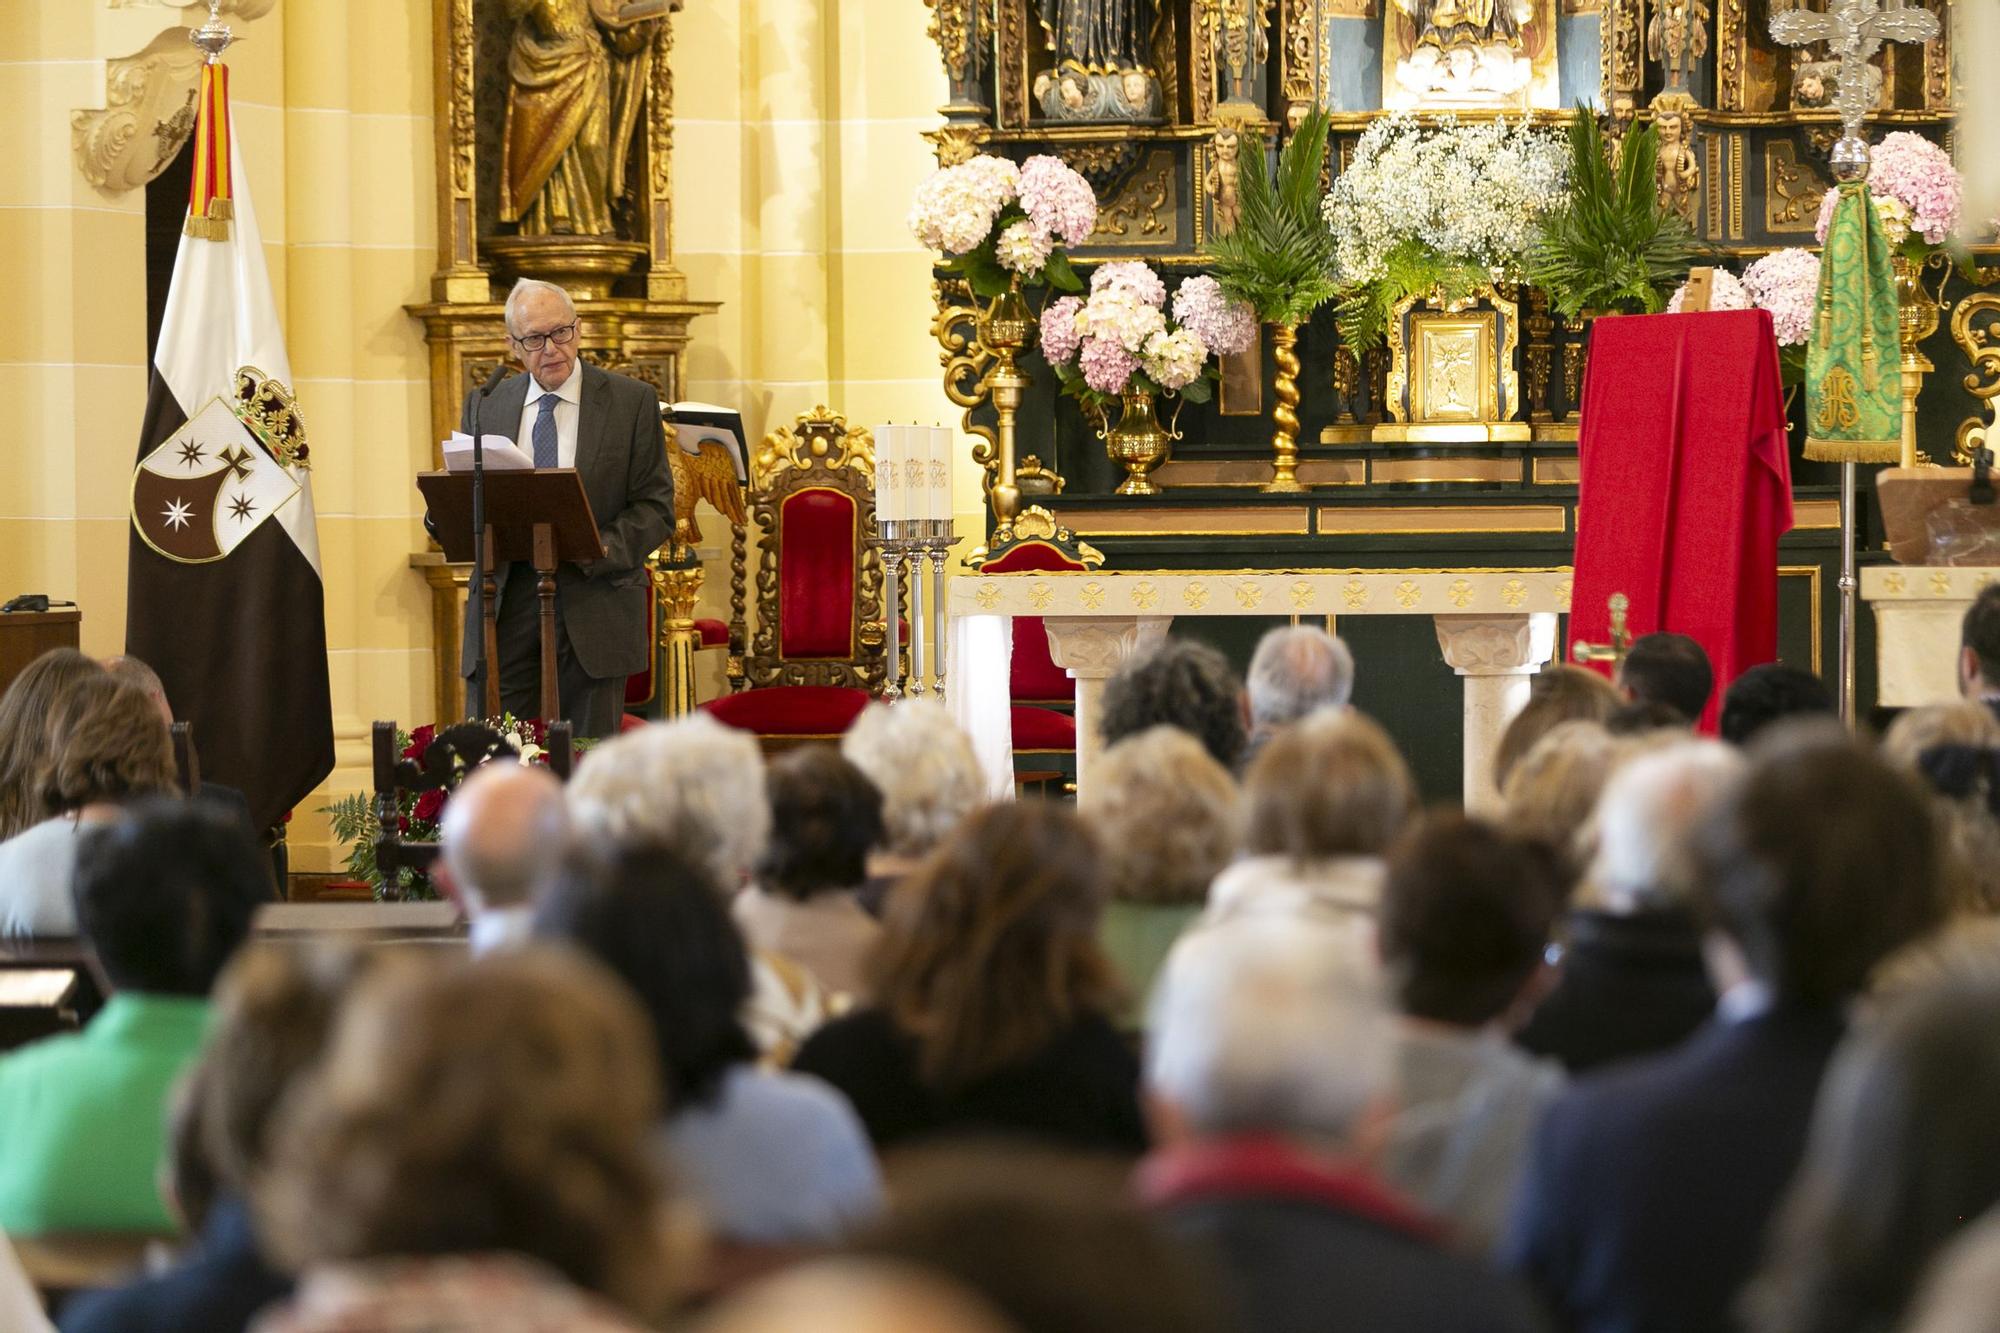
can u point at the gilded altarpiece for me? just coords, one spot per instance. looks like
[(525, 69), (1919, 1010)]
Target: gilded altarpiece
[(554, 149)]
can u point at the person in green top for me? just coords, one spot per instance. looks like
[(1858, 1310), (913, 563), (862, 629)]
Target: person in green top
[(164, 897)]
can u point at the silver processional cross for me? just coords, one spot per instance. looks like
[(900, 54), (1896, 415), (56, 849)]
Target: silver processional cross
[(1854, 31)]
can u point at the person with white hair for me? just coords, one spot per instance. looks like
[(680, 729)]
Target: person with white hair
[(503, 832), (1297, 670), (1269, 1066), (1633, 981), (921, 761), (698, 786), (563, 412)]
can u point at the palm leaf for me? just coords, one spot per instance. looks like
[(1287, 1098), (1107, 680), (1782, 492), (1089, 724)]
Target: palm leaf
[(1279, 257)]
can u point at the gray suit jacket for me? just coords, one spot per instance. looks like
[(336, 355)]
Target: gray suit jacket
[(622, 460)]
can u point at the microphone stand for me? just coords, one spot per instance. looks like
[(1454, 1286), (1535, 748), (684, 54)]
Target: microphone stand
[(476, 608)]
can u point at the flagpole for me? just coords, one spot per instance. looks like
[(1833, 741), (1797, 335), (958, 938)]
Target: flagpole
[(1848, 587)]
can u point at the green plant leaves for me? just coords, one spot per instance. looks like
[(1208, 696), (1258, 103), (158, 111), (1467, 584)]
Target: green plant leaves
[(1279, 258)]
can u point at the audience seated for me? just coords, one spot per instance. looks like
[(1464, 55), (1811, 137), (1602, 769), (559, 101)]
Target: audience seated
[(164, 897), (1296, 670), (1556, 694), (1550, 794), (471, 1155), (771, 1158), (1955, 750), (136, 673), (826, 816), (274, 1007), (1669, 669), (1169, 818), (991, 1000), (29, 711), (1632, 980), (1465, 922), (856, 1296), (1180, 683), (1763, 694), (1900, 1159), (1649, 1187), (1647, 717), (112, 747), (1322, 804), (698, 785), (1979, 649), (921, 761), (1270, 1056), (502, 835)]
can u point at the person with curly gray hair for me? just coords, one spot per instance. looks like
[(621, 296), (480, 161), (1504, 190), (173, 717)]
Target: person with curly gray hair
[(1179, 684), (923, 764)]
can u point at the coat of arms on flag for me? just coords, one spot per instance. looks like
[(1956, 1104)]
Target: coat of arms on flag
[(213, 482)]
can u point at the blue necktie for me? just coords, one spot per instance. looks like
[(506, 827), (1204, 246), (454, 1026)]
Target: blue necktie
[(545, 432)]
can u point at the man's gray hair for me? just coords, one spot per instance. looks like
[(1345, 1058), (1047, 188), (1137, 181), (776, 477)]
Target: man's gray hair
[(919, 758), (503, 833), (1268, 1025), (526, 287), (1644, 819), (693, 784), (1298, 669)]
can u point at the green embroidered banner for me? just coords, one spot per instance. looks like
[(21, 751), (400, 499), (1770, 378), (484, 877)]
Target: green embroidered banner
[(1853, 364)]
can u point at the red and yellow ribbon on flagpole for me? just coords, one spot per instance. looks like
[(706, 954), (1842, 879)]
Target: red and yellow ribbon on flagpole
[(209, 201)]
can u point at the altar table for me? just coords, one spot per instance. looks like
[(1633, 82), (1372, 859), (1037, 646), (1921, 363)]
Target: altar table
[(1495, 628), (1919, 610)]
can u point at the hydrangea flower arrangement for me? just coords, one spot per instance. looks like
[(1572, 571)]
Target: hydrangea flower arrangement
[(1917, 193), (998, 223), (1436, 209), (1784, 282), (1119, 339), (1726, 293)]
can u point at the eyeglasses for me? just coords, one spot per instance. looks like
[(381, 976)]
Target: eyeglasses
[(534, 342)]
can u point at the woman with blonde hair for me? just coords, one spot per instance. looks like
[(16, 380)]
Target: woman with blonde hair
[(1556, 694), (991, 997), (472, 1154), (112, 747)]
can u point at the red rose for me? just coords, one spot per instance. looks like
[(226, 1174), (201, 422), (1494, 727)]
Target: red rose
[(403, 824), (428, 805), (420, 741)]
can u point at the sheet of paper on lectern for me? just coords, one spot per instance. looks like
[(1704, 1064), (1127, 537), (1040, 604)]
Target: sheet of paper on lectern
[(501, 454)]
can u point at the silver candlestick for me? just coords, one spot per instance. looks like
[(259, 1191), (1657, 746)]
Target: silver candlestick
[(901, 540)]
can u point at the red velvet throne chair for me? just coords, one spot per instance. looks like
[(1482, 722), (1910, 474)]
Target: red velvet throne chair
[(1041, 693)]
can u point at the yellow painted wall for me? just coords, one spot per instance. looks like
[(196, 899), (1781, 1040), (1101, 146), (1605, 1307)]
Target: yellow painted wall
[(797, 148)]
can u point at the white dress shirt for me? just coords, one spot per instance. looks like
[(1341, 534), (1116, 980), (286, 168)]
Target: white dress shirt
[(569, 402)]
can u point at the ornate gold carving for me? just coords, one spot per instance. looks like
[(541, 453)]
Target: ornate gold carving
[(1732, 40), (966, 361), (1676, 37), (148, 114), (956, 143), (1940, 94), (1012, 83), (1624, 70), (1677, 175), (1145, 596), (1975, 327), (1041, 597), (1303, 596), (662, 282), (1195, 595), (1035, 524), (1249, 596), (1298, 52), (463, 131), (961, 29), (1146, 203), (1408, 594), (1792, 189), (1541, 354), (1460, 594), (1355, 594), (1514, 593)]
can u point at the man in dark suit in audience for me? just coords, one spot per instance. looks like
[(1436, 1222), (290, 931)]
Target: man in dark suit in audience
[(1979, 649), (1649, 1188)]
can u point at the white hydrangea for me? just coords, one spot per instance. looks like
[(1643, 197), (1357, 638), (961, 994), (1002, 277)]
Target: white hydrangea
[(1174, 360), (1022, 248)]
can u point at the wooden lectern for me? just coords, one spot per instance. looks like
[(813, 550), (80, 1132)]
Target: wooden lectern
[(542, 517), (26, 635)]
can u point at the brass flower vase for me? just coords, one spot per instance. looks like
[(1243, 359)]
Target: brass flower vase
[(1004, 328), (1138, 443), (1285, 416), (1916, 320)]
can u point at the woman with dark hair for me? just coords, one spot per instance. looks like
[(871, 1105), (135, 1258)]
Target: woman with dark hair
[(773, 1158), (29, 711), (804, 904), (991, 998), (1899, 1160)]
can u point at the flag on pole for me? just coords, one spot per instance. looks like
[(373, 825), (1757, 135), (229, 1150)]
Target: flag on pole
[(225, 599), (1853, 376)]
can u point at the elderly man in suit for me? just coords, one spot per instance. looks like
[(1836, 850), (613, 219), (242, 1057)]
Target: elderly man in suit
[(565, 413)]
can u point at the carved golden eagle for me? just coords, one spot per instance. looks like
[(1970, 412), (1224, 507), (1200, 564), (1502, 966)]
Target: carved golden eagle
[(710, 475)]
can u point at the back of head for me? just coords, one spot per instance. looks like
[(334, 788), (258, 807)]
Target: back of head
[(1296, 670), (1179, 684), (1818, 862), (1268, 1026), (1466, 917), (1899, 1160), (1917, 730), (1333, 784), (111, 745), (134, 672), (503, 832), (29, 712), (991, 950), (1671, 669), (1645, 717), (923, 764), (826, 816), (1551, 792), (692, 783), (498, 1105), (1556, 694), (165, 895), (855, 1296), (1167, 814), (1954, 749), (1962, 1292), (654, 916), (1980, 632), (1645, 817), (1763, 694)]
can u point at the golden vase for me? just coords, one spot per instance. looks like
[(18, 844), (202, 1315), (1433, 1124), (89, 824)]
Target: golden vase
[(1138, 443), (1916, 320), (1285, 416), (1005, 328)]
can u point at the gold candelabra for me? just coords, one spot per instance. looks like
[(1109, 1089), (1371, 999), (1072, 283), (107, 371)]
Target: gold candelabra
[(1005, 328)]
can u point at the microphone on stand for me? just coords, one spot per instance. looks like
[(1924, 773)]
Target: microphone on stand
[(476, 701)]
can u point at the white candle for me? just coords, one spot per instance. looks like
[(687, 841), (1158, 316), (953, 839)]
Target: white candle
[(940, 470), (888, 475)]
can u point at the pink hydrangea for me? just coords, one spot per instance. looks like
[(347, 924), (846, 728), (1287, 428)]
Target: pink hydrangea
[(1786, 283), (1911, 169), (1132, 277), (1727, 293), (1060, 335), (1107, 366), (1057, 200), (1225, 326)]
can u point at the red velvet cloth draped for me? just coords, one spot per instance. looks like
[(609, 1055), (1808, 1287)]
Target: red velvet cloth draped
[(1686, 485)]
